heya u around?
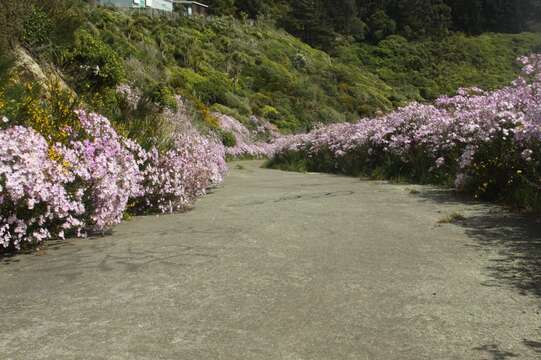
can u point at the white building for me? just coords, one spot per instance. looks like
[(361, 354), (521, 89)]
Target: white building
[(164, 5)]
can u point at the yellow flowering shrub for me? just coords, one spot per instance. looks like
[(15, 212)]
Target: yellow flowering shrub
[(47, 109)]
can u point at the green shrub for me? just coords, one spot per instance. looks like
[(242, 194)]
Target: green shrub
[(94, 63), (12, 15), (271, 76), (47, 108), (327, 114), (164, 96), (270, 113), (236, 102), (213, 90), (228, 139), (6, 63), (185, 78), (37, 27)]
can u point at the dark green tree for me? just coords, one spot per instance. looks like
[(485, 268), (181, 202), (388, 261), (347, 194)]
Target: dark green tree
[(309, 20), (380, 25), (342, 14), (222, 7), (423, 18)]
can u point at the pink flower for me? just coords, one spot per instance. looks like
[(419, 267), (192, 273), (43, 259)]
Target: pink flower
[(456, 128), (105, 173)]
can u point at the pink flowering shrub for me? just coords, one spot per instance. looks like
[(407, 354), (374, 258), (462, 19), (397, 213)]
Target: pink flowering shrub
[(87, 182), (487, 143), (247, 144), (35, 203), (175, 178), (105, 171)]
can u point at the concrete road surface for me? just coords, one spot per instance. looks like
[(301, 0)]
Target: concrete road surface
[(288, 266)]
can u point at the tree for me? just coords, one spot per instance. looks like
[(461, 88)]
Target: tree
[(251, 7), (381, 25), (222, 7), (477, 16), (318, 21), (308, 20), (423, 18), (342, 13), (358, 29)]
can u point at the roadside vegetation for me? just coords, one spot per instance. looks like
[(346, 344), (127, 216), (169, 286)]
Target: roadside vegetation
[(483, 143), (242, 67)]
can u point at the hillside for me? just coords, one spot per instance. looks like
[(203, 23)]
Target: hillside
[(238, 68), (423, 70), (244, 67), (247, 69)]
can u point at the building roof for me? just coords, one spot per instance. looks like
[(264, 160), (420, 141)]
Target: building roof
[(190, 3)]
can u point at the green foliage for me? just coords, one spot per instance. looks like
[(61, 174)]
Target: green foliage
[(220, 61), (270, 76), (499, 174), (185, 78), (37, 27), (222, 7), (309, 20), (146, 126), (163, 96), (231, 112), (41, 25), (213, 90), (290, 161), (270, 113), (242, 68), (93, 63), (12, 14), (318, 22), (423, 70), (228, 139), (47, 108), (6, 63), (381, 25)]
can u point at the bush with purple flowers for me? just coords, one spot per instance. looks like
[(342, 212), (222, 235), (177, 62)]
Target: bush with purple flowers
[(486, 143), (35, 198), (105, 171), (88, 182), (246, 144), (172, 180)]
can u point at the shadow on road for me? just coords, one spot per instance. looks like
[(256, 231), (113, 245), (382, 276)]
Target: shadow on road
[(534, 345), (494, 352), (517, 236), (7, 258)]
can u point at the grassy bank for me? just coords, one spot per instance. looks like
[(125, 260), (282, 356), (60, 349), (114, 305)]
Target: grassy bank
[(252, 68)]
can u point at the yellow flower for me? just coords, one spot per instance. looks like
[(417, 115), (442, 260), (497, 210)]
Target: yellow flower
[(54, 155), (57, 157)]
